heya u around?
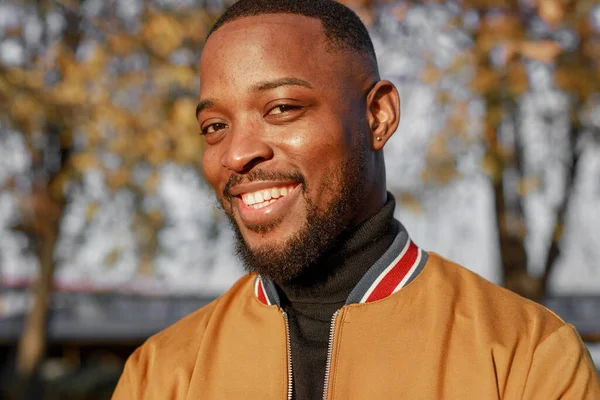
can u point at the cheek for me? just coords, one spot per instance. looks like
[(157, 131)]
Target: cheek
[(322, 166), (211, 167), (320, 140)]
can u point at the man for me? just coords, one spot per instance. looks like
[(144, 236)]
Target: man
[(339, 303)]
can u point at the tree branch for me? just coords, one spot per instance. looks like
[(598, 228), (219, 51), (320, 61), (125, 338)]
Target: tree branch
[(561, 214)]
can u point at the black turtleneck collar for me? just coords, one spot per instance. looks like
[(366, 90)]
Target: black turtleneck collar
[(311, 300), (331, 279)]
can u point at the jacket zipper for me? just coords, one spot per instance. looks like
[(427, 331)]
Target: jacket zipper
[(329, 354), (289, 357)]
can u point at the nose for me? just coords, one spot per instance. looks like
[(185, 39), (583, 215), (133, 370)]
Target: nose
[(246, 149)]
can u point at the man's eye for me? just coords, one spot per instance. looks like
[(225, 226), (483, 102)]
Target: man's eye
[(282, 109), (212, 128)]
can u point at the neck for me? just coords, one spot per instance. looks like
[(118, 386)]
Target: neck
[(332, 278)]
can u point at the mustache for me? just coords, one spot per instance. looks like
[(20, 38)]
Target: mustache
[(262, 175)]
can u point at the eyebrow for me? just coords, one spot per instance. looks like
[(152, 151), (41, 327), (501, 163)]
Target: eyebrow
[(203, 105), (259, 87), (269, 85)]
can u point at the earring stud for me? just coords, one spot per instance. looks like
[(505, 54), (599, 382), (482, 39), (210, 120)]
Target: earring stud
[(379, 138)]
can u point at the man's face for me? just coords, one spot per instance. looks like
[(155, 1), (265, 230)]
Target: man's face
[(284, 119)]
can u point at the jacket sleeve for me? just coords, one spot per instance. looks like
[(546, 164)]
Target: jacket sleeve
[(562, 368), (128, 387)]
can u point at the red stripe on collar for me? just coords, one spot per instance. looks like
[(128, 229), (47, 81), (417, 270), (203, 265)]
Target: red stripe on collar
[(259, 291), (396, 275)]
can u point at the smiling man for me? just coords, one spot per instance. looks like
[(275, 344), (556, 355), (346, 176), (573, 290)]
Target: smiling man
[(338, 302)]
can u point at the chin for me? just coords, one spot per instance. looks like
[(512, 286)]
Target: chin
[(259, 237), (277, 230)]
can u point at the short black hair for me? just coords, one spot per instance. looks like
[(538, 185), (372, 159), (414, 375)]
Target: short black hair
[(343, 28)]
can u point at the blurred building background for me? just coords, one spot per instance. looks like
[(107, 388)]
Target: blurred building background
[(108, 232)]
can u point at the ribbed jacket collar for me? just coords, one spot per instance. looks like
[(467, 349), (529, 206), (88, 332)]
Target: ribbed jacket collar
[(398, 266)]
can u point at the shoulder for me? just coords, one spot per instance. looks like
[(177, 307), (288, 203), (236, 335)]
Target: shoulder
[(489, 304), (173, 351), (190, 329), (526, 342)]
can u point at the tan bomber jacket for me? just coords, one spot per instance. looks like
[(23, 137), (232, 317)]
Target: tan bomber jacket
[(417, 326)]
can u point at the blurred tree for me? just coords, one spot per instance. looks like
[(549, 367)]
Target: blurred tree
[(109, 87), (508, 37)]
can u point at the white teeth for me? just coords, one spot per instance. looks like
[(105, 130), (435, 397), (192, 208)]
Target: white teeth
[(262, 198), (263, 204)]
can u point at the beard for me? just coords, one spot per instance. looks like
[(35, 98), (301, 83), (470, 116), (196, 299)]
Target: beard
[(317, 237)]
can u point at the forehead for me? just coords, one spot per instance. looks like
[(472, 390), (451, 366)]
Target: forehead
[(261, 48)]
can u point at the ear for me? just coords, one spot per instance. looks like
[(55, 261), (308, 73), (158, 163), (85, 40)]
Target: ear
[(383, 112)]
